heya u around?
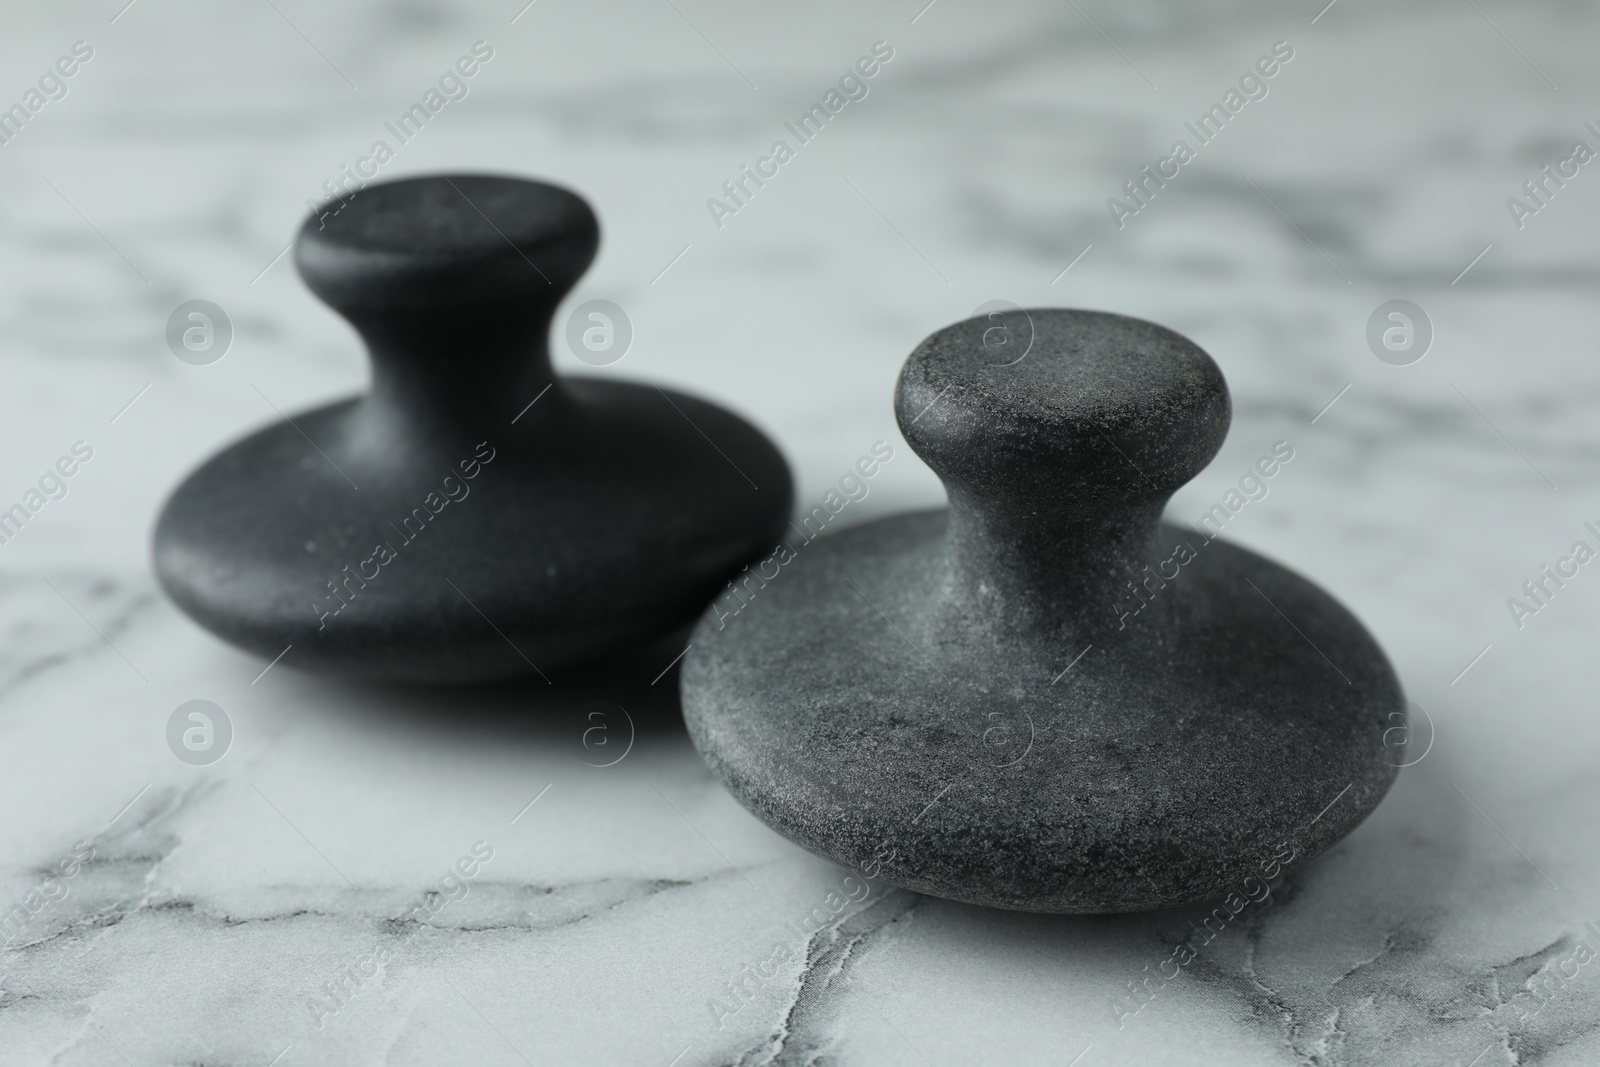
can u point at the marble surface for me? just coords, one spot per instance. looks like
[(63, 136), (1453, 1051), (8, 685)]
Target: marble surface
[(301, 900)]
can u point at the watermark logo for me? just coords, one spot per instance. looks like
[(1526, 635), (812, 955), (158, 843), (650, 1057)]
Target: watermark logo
[(1541, 589), (52, 85), (606, 734), (199, 732), (1007, 334), (599, 332), (338, 992), (1399, 333), (1540, 189), (1007, 737), (452, 490), (453, 85), (853, 487), (852, 86), (1252, 487), (52, 485), (1141, 189), (199, 332), (1407, 742)]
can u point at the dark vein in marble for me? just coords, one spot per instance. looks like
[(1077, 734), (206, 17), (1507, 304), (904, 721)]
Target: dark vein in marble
[(807, 1033)]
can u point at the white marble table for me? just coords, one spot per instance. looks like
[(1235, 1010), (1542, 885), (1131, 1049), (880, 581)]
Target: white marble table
[(220, 902)]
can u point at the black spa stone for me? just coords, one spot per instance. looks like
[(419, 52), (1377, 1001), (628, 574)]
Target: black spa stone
[(439, 528), (1045, 698)]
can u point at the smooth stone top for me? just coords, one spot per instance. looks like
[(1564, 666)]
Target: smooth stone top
[(1104, 406), (447, 240)]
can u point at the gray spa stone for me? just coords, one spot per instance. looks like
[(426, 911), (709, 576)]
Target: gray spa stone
[(1045, 698)]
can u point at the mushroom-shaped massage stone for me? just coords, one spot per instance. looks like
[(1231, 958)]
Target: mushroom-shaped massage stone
[(1045, 698), (474, 515)]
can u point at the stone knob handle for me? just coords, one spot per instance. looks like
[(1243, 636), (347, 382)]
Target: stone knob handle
[(1058, 462), (1101, 412), (452, 281)]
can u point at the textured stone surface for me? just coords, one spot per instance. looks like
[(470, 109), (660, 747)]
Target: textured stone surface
[(982, 701), (474, 515)]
